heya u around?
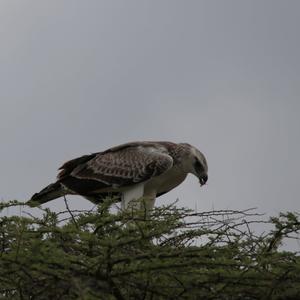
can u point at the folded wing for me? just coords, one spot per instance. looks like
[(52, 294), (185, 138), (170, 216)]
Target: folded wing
[(115, 168)]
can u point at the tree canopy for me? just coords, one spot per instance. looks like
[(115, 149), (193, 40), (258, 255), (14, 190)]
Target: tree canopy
[(176, 253)]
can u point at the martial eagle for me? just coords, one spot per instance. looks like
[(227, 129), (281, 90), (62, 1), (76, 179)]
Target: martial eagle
[(137, 170)]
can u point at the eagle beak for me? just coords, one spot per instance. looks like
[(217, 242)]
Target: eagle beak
[(203, 179)]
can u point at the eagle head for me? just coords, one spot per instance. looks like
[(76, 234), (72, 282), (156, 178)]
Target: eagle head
[(198, 165)]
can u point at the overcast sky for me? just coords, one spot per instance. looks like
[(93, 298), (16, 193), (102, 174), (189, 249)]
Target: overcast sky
[(80, 76)]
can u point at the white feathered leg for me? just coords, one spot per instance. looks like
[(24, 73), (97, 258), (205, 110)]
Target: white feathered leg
[(134, 193), (149, 201)]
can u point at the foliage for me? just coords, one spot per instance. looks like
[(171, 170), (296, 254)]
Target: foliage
[(173, 254)]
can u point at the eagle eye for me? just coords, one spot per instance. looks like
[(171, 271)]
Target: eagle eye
[(198, 166)]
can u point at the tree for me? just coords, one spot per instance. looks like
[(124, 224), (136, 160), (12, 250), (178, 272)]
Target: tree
[(175, 254)]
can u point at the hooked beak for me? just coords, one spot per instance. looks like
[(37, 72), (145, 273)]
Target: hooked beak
[(203, 179)]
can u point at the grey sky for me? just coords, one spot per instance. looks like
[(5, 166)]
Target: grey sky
[(80, 76)]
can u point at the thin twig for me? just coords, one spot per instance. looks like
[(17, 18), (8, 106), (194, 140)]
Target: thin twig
[(70, 212)]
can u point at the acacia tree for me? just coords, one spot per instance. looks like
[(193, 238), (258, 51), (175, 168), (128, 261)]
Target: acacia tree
[(175, 253)]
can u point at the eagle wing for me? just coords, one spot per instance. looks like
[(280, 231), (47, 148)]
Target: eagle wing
[(117, 167)]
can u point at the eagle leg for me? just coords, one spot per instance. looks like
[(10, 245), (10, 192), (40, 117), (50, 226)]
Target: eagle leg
[(134, 193)]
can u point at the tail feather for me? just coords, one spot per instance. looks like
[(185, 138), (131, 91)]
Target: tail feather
[(50, 192)]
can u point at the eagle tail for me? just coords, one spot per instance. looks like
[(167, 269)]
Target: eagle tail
[(50, 192)]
